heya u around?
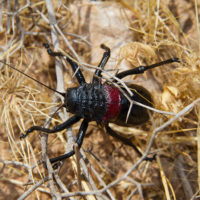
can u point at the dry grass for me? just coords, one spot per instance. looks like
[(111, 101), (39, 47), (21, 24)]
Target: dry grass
[(138, 33)]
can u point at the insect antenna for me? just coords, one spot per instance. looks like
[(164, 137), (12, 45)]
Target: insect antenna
[(61, 93)]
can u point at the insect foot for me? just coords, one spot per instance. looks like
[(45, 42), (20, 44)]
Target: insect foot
[(22, 136)]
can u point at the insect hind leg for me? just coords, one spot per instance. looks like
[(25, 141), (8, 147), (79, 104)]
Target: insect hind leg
[(127, 142), (142, 69)]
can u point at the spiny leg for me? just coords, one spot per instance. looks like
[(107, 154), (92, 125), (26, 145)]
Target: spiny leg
[(142, 69), (103, 62), (79, 141), (74, 66), (127, 142), (55, 129), (139, 70), (124, 140)]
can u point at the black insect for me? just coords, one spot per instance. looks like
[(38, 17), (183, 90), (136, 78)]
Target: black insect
[(101, 102)]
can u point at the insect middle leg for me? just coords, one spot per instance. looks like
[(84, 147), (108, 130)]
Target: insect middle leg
[(102, 63), (79, 141)]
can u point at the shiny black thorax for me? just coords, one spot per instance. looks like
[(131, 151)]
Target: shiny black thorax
[(87, 101)]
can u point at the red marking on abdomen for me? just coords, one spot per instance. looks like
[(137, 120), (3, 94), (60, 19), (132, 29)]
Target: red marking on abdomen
[(113, 102)]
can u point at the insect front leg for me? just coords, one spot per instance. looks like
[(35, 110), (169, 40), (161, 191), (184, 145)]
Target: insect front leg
[(55, 129), (79, 141), (73, 64)]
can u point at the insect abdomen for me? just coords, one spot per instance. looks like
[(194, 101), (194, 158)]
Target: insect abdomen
[(113, 102), (138, 114)]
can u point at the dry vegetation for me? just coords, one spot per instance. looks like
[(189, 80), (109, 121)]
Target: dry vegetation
[(138, 33)]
